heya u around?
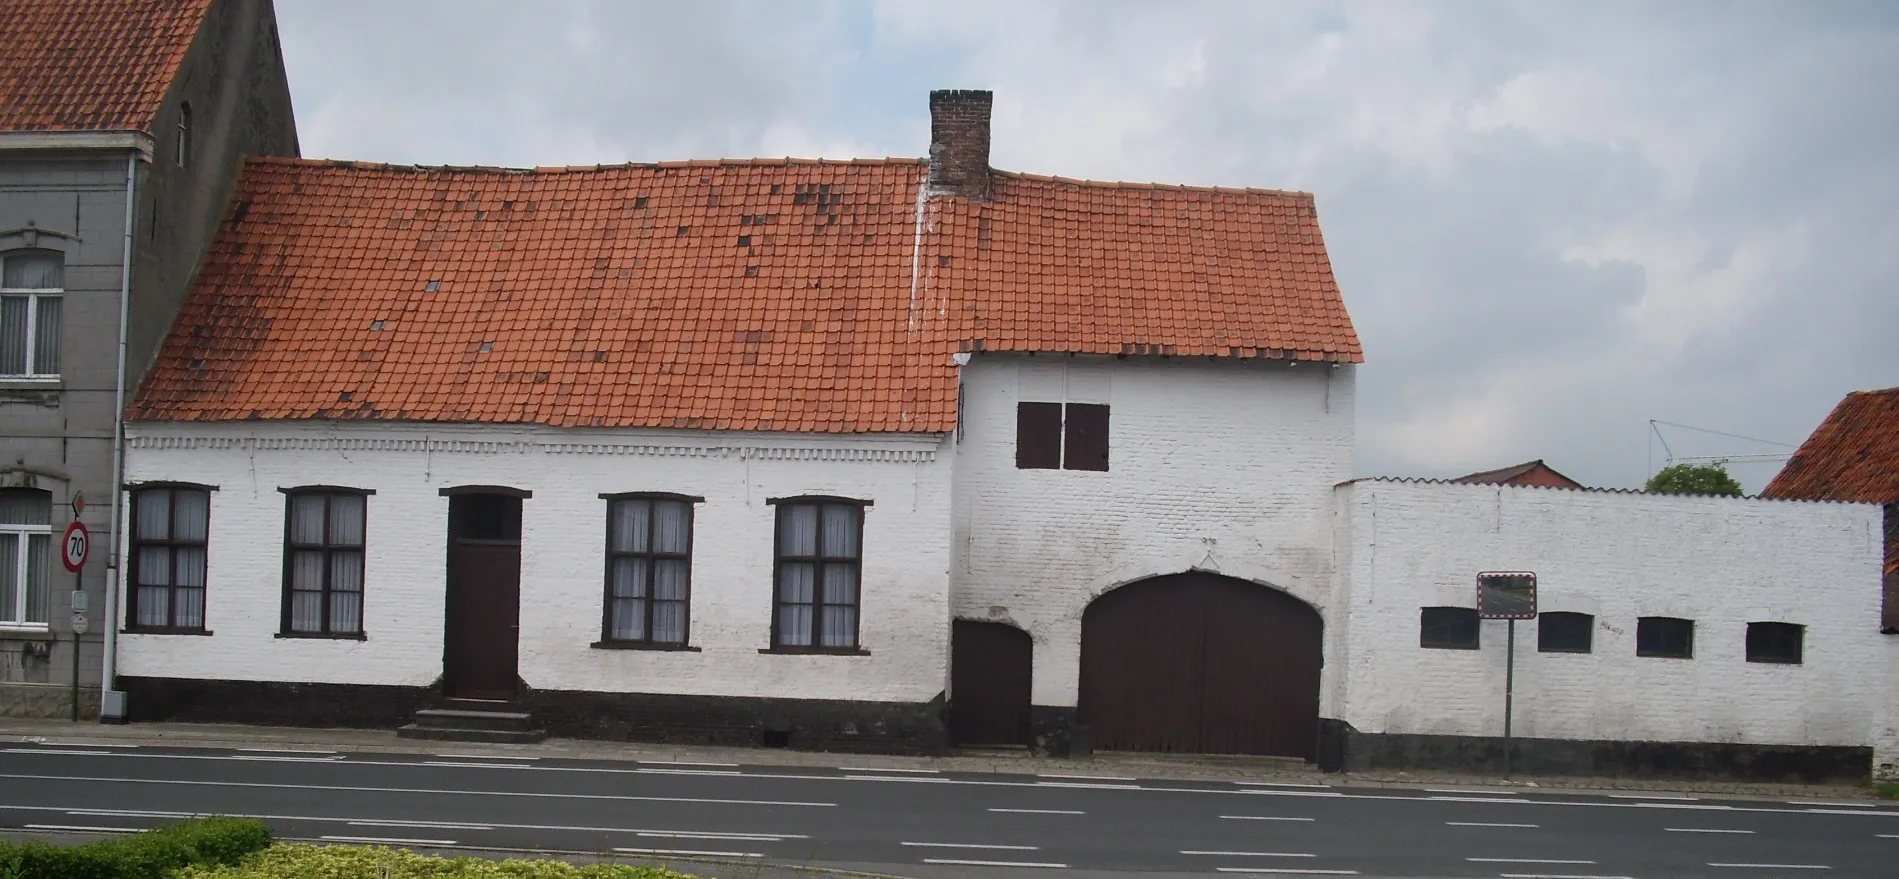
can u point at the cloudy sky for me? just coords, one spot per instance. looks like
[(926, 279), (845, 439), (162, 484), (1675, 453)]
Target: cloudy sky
[(1551, 222)]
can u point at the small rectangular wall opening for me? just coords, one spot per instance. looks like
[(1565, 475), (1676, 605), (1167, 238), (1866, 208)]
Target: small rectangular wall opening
[(775, 738)]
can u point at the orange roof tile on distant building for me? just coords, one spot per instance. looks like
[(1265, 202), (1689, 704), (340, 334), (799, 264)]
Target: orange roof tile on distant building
[(763, 294), (1527, 473), (1852, 456), (91, 65)]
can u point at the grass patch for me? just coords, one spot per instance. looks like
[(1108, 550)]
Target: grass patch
[(287, 860), (151, 854), (1887, 789)]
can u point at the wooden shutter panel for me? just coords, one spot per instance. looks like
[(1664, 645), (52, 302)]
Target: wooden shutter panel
[(1086, 437), (1038, 436)]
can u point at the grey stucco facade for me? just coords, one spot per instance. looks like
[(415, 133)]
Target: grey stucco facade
[(68, 198)]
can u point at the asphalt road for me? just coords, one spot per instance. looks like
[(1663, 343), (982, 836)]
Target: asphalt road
[(922, 823)]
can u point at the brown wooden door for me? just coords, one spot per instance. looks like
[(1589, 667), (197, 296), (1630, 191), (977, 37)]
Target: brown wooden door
[(1201, 663), (991, 671), (482, 636)]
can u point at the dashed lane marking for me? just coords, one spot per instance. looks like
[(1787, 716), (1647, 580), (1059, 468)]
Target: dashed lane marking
[(1286, 871), (1558, 876), (1527, 861), (544, 795), (1466, 790), (476, 765), (82, 828), (883, 769), (1487, 824), (1009, 848), (1041, 811), (1653, 797), (958, 862), (1703, 830), (1084, 777), (1264, 818), (684, 763), (687, 852), (1249, 854), (387, 840), (1279, 784), (484, 757), (1773, 866), (54, 751), (421, 825)]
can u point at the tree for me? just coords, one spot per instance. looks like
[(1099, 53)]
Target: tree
[(1694, 479)]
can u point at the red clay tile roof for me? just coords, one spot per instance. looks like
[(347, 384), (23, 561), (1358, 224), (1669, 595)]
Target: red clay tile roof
[(1527, 473), (91, 65), (769, 295), (1852, 456)]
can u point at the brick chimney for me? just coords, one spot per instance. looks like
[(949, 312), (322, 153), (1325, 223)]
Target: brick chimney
[(959, 142)]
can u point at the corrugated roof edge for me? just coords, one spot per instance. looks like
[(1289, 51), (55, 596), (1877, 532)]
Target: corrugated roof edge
[(763, 162), (1478, 485)]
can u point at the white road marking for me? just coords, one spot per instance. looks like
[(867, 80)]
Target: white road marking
[(1084, 785), (1279, 784), (1011, 848), (688, 852), (387, 840), (713, 837), (1886, 836), (1318, 793), (82, 828), (1464, 790), (1702, 830), (397, 822), (1557, 876), (1834, 803), (424, 825), (683, 763), (56, 751), (1526, 861), (722, 834), (1774, 866), (279, 759), (911, 779), (1652, 797), (684, 771), (882, 769), (483, 757), (1249, 854), (1263, 818), (1484, 800), (1486, 824), (413, 790), (88, 744), (1084, 777), (281, 751), (961, 863), (476, 765), (1287, 871), (126, 813), (1041, 811)]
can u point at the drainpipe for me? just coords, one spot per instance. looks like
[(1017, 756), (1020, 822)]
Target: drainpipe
[(112, 703)]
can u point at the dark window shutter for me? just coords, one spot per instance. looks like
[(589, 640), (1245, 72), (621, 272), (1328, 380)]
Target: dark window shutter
[(1038, 436), (1086, 435), (1449, 628)]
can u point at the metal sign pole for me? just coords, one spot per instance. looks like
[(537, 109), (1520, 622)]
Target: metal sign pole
[(78, 584), (1509, 691)]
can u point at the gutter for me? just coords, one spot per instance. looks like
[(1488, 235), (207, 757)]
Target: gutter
[(78, 140), (112, 702)]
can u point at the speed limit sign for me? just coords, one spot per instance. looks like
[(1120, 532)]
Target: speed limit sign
[(73, 546)]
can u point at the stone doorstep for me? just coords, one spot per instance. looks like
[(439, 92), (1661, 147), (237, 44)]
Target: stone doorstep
[(1173, 767)]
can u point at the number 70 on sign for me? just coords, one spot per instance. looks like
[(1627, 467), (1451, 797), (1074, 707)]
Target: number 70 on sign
[(74, 545)]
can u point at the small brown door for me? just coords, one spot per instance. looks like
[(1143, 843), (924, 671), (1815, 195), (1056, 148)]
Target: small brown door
[(481, 640), (991, 669), (1201, 663)]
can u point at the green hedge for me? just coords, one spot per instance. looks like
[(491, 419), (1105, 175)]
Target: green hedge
[(151, 854), (358, 862)]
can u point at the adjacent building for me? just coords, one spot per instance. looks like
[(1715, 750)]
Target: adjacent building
[(122, 127)]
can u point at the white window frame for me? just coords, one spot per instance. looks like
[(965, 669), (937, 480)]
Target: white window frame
[(14, 618), (33, 296)]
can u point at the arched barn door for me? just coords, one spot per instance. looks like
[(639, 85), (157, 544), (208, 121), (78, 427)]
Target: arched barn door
[(1201, 663), (990, 674)]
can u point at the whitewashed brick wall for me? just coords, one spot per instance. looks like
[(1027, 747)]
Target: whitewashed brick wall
[(905, 577), (1215, 465), (1723, 562), (1886, 723)]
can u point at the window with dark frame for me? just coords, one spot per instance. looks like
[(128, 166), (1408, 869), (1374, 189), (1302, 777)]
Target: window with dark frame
[(1665, 637), (1448, 628), (1565, 632), (649, 570), (32, 291), (181, 148), (1775, 642), (818, 574), (323, 562), (170, 536), (1061, 436)]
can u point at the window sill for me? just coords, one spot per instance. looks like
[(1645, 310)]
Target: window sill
[(1642, 655), (1450, 647), (641, 645), (816, 651), (321, 636), (1776, 661), (30, 383), (157, 631), (1563, 650), (25, 629)]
